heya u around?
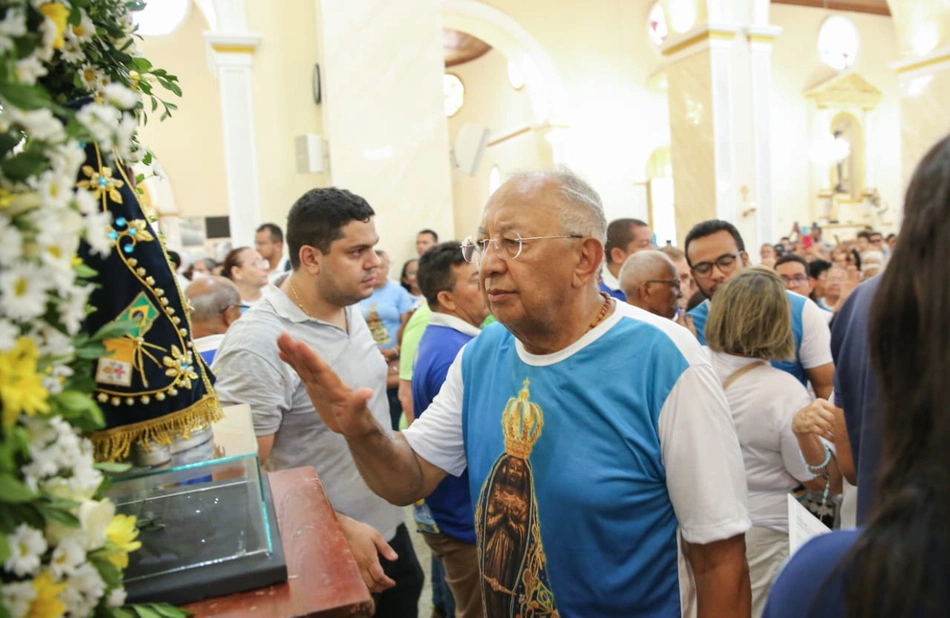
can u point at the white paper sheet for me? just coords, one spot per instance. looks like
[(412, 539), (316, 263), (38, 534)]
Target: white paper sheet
[(802, 525)]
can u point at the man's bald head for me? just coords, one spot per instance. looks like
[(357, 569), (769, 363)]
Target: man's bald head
[(650, 281), (215, 304)]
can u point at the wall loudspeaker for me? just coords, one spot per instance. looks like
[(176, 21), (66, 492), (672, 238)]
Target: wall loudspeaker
[(470, 144), (310, 153)]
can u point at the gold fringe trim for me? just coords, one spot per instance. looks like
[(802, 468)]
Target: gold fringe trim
[(114, 444)]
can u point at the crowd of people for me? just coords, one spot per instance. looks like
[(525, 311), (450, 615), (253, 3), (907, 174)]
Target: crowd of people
[(623, 441)]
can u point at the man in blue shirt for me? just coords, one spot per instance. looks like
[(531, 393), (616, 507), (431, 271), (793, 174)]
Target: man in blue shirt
[(215, 305), (624, 238), (606, 476), (715, 251), (856, 390), (450, 286)]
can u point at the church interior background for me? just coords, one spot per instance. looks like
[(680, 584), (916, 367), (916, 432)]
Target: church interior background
[(763, 113)]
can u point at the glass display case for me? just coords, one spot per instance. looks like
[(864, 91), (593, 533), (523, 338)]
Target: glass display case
[(207, 529)]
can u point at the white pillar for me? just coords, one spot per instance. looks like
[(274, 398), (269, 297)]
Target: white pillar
[(231, 56), (761, 39)]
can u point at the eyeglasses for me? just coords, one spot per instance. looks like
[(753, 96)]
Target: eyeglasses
[(725, 263), (509, 246), (675, 284), (795, 281)]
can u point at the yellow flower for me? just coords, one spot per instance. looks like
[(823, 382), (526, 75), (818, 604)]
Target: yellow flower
[(21, 385), (58, 14), (47, 603), (121, 533)]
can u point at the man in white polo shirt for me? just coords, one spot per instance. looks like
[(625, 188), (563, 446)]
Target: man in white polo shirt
[(331, 236)]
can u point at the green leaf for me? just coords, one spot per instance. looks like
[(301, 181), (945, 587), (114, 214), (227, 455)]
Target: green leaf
[(144, 611), (4, 613), (25, 97), (115, 330), (170, 611), (23, 165), (13, 491), (111, 574), (4, 548), (91, 351), (141, 64), (79, 408), (112, 467), (84, 272), (58, 516)]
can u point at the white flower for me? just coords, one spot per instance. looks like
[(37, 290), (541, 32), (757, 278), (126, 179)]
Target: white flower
[(85, 30), (83, 590), (27, 546), (67, 556), (72, 307), (49, 31), (121, 97), (11, 242), (8, 332), (116, 597), (97, 227), (67, 158), (55, 189), (125, 133), (23, 291), (40, 124), (29, 69), (53, 382), (51, 342), (40, 432), (17, 598), (94, 518), (13, 25), (101, 121), (86, 204), (89, 76), (72, 49)]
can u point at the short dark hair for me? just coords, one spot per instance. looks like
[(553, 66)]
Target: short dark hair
[(276, 234), (865, 234), (435, 270), (435, 236), (174, 258), (620, 233), (817, 267), (402, 275), (317, 218), (876, 233), (708, 228), (231, 261), (791, 257)]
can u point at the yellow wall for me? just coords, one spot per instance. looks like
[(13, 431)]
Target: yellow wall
[(189, 144), (796, 67), (490, 101)]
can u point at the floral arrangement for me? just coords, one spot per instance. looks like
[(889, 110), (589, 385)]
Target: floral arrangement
[(62, 545)]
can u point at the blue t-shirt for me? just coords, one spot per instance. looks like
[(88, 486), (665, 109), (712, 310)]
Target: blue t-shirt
[(450, 503), (810, 586), (700, 314), (856, 390), (546, 447), (383, 311)]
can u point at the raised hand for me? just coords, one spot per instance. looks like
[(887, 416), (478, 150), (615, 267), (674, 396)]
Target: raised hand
[(818, 418), (341, 408)]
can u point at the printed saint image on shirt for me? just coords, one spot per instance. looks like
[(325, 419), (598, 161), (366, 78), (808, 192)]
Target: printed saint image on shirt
[(376, 327), (511, 555)]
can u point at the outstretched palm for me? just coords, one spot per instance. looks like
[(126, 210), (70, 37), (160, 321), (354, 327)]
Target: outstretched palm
[(341, 408)]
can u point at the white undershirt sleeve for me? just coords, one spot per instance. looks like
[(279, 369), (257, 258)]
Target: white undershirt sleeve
[(816, 337), (704, 471), (436, 435)]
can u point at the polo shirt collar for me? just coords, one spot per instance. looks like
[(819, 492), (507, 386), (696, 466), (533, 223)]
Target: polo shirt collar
[(450, 321)]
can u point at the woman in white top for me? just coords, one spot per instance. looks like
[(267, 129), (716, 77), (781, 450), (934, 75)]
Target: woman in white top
[(248, 270), (780, 429)]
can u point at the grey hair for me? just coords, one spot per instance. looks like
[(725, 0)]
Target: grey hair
[(642, 266), (585, 212), (217, 297)]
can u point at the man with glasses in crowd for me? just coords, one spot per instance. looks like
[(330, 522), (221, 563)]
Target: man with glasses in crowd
[(650, 281), (215, 304), (587, 455), (715, 251)]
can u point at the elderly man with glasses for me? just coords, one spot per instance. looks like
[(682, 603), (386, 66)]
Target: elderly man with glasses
[(716, 252), (650, 281), (603, 462)]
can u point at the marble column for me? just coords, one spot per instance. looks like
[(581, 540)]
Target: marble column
[(924, 104), (231, 58), (699, 70), (761, 40), (384, 118)]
